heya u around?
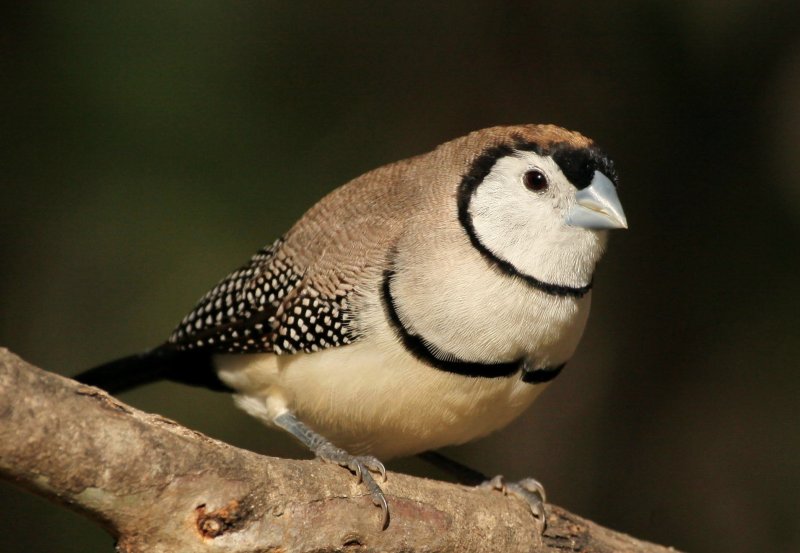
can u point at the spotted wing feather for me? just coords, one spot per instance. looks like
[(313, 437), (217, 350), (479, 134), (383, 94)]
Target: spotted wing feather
[(266, 306)]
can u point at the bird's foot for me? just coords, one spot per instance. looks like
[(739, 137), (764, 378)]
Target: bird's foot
[(529, 490), (362, 466)]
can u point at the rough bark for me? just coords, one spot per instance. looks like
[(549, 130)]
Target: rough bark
[(157, 486)]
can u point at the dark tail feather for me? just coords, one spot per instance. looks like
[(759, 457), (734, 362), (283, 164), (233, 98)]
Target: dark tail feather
[(188, 367), (126, 373)]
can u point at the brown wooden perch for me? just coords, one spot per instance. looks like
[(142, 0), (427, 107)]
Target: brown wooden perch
[(157, 486)]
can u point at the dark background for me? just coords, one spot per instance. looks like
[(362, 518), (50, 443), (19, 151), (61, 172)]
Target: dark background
[(148, 148)]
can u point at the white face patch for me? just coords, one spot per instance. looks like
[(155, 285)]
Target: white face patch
[(527, 228)]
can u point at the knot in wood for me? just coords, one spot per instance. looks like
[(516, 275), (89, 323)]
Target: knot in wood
[(212, 524)]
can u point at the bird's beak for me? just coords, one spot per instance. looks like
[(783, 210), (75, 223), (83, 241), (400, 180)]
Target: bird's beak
[(597, 206)]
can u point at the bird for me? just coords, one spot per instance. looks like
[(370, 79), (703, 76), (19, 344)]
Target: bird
[(423, 304)]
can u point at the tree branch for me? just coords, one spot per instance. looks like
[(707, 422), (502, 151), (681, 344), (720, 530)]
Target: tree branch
[(157, 486)]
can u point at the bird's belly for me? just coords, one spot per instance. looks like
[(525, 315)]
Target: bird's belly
[(387, 404)]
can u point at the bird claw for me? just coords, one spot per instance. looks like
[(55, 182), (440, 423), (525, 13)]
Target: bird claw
[(529, 490), (362, 466), (531, 485), (359, 465), (378, 498), (496, 484)]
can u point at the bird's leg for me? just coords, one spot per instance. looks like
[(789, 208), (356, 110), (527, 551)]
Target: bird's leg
[(527, 489), (361, 466)]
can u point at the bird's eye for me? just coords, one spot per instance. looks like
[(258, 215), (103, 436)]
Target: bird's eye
[(535, 180)]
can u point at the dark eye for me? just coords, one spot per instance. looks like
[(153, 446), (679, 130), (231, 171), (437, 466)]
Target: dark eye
[(535, 180)]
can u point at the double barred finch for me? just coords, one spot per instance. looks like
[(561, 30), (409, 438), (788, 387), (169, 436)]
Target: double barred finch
[(425, 303)]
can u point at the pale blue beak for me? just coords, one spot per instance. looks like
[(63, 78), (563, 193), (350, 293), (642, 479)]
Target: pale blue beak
[(598, 206)]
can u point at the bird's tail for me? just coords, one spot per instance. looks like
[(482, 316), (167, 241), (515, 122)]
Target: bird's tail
[(162, 363)]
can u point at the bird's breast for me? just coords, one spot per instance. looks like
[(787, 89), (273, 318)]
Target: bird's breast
[(483, 316)]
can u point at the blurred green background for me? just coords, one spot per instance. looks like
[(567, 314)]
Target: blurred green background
[(147, 148)]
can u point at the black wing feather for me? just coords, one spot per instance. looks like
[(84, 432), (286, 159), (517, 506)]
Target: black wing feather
[(266, 306)]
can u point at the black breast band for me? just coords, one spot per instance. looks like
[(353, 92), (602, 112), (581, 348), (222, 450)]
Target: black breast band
[(417, 347)]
